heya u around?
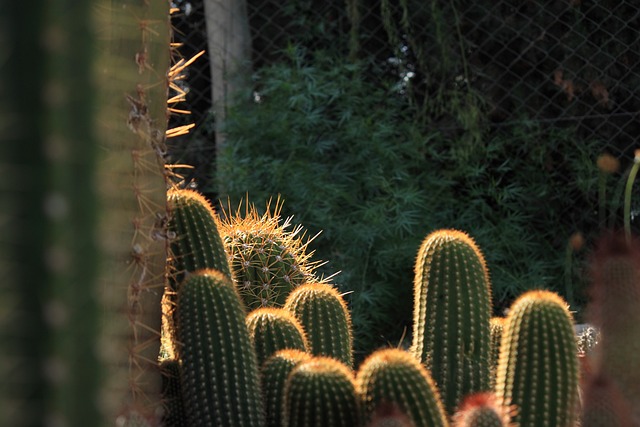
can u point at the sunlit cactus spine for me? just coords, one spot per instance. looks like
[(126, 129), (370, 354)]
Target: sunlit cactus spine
[(395, 377), (319, 393), (267, 259), (613, 310), (324, 316), (452, 308), (220, 376), (538, 367), (275, 371), (482, 410), (496, 326), (272, 329)]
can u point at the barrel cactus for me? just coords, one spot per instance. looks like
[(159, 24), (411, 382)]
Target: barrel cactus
[(267, 258)]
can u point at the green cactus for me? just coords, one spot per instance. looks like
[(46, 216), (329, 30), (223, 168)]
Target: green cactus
[(452, 308), (324, 316), (174, 411), (196, 242), (482, 410), (320, 392), (538, 367), (86, 267), (268, 261), (389, 415), (272, 329), (275, 371), (394, 376), (496, 326), (613, 310), (220, 382)]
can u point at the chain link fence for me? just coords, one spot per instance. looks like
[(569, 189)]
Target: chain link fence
[(561, 63), (558, 74)]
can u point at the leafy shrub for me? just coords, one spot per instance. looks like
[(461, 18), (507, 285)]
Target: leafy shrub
[(348, 159)]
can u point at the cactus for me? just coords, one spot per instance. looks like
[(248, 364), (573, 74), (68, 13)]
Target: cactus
[(174, 412), (275, 371), (388, 415), (87, 117), (268, 261), (196, 243), (394, 376), (325, 318), (452, 306), (482, 410), (320, 392), (273, 329), (496, 326), (220, 383), (538, 367)]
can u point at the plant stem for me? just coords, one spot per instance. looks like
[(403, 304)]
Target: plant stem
[(627, 194)]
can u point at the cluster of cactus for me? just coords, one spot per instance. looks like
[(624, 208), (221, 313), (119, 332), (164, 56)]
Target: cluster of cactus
[(291, 364)]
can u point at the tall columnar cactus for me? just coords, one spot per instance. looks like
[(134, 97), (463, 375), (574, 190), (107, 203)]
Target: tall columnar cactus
[(321, 392), (323, 313), (268, 260), (482, 410), (496, 328), (275, 371), (174, 411), (196, 243), (538, 367), (394, 376), (452, 308), (220, 382), (272, 329), (614, 311), (88, 90)]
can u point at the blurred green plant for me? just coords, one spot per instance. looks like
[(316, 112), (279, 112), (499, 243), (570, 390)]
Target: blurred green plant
[(348, 158)]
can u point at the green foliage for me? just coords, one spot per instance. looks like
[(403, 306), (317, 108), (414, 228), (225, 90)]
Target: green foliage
[(348, 158)]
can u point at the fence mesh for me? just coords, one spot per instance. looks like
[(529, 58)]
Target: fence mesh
[(475, 71), (560, 63)]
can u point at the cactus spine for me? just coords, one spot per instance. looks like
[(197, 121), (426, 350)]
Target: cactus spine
[(324, 317), (452, 306), (273, 329), (320, 392), (275, 371), (538, 367), (614, 311), (268, 260), (394, 376), (220, 381)]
